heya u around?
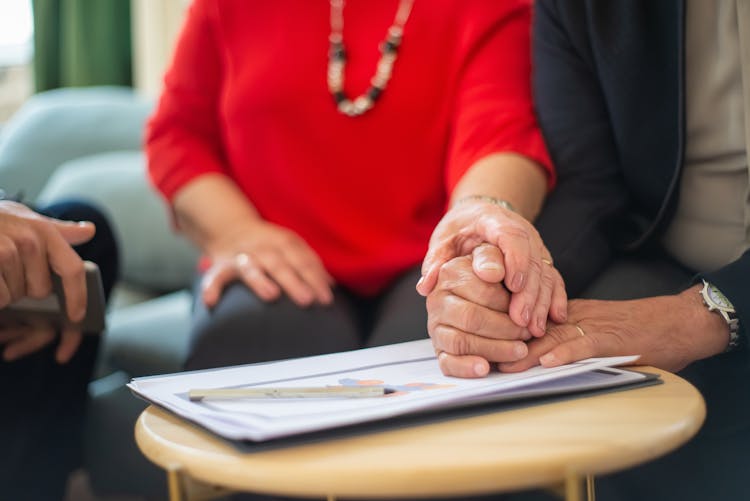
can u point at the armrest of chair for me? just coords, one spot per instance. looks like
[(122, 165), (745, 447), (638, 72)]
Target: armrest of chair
[(152, 255), (60, 125)]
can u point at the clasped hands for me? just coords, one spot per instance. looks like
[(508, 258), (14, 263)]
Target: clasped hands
[(490, 287), (471, 329), (469, 320), (480, 314)]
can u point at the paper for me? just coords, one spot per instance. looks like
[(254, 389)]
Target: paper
[(409, 368)]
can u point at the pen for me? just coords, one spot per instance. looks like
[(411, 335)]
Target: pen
[(291, 392)]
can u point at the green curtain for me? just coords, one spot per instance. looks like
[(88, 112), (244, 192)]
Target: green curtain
[(81, 42)]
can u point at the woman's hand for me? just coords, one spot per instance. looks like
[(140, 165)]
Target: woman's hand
[(269, 259), (523, 265), (215, 214)]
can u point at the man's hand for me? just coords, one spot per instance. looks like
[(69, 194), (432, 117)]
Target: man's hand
[(19, 341), (668, 332), (269, 259), (30, 246), (524, 264), (467, 319)]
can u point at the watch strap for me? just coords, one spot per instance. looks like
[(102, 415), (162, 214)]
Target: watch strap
[(726, 311)]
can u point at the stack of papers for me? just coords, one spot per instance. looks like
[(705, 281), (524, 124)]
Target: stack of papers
[(409, 371)]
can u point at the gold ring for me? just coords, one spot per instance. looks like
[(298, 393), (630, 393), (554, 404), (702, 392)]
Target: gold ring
[(583, 334), (547, 261)]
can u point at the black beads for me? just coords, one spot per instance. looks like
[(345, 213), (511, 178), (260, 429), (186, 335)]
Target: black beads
[(374, 93), (390, 46), (337, 52), (337, 60), (339, 97)]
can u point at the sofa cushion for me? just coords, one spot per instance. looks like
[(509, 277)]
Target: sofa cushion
[(56, 126), (152, 254), (150, 337)]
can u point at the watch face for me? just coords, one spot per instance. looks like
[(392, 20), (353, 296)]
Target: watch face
[(718, 298)]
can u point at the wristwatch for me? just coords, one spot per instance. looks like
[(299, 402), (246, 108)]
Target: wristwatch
[(718, 302)]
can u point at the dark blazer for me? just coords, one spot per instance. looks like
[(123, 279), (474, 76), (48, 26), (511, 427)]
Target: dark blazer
[(610, 95)]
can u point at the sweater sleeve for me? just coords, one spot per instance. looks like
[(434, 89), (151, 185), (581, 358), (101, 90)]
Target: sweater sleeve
[(493, 111), (183, 137)]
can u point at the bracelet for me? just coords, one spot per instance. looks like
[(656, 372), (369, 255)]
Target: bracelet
[(490, 200)]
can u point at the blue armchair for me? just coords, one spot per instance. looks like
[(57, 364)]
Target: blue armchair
[(86, 143)]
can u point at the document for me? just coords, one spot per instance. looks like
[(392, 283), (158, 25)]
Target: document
[(409, 373)]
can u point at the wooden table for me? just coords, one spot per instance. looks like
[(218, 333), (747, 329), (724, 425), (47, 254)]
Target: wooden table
[(560, 445)]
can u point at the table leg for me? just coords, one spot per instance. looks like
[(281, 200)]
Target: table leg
[(590, 488), (183, 488), (174, 484), (575, 490)]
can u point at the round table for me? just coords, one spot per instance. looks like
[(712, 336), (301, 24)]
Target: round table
[(563, 444)]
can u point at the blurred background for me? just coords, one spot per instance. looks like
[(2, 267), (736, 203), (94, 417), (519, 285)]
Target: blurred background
[(78, 79), (16, 50), (46, 44)]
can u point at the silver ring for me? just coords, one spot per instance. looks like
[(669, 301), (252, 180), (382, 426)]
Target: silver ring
[(241, 260), (583, 334)]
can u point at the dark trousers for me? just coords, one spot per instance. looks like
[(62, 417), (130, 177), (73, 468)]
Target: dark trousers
[(243, 329), (715, 464), (43, 402)]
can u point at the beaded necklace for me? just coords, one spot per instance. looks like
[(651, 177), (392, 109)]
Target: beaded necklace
[(337, 60)]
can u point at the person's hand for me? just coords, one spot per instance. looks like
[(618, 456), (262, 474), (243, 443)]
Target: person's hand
[(524, 265), (31, 247), (269, 259), (668, 332), (467, 319), (20, 341)]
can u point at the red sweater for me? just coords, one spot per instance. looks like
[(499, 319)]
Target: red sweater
[(246, 96)]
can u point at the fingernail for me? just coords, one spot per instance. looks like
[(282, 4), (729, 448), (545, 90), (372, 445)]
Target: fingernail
[(518, 281), (520, 350), (489, 266), (526, 315), (548, 359), (480, 369), (420, 282), (541, 324)]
